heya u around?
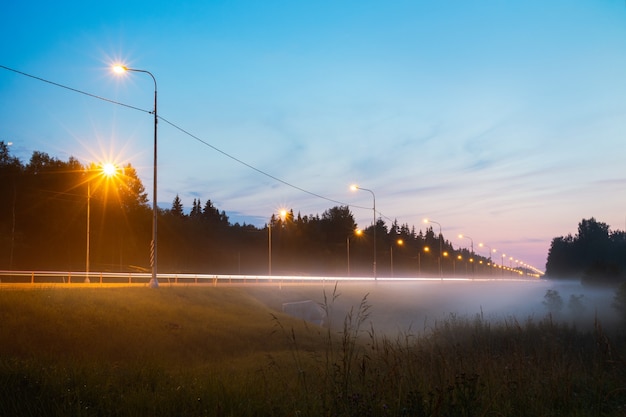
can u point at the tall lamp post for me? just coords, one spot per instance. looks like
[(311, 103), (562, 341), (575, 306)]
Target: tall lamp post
[(440, 244), (490, 250), (108, 170), (419, 260), (472, 246), (154, 283), (400, 242), (283, 215), (354, 188), (357, 232), (88, 229), (482, 245)]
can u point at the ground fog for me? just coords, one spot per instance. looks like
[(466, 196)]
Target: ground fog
[(415, 307)]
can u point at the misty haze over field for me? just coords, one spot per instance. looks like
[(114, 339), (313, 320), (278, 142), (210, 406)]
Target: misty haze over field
[(414, 307)]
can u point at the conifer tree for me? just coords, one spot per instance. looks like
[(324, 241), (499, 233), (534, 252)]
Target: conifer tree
[(177, 207), (196, 209)]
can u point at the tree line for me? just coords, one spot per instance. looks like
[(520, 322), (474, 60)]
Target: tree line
[(594, 255), (48, 207)]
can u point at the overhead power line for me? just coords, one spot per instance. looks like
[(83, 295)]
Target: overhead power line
[(260, 171), (75, 90), (248, 165)]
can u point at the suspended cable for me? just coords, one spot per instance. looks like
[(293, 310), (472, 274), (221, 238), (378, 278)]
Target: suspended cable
[(250, 166), (188, 134), (75, 90)]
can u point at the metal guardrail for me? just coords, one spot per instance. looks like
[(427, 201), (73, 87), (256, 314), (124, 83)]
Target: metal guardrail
[(136, 278), (81, 277)]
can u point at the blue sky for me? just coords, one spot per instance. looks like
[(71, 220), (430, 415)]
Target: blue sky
[(500, 120)]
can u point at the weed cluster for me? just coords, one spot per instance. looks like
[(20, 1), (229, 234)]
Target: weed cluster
[(461, 367)]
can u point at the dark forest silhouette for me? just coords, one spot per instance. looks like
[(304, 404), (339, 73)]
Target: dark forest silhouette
[(43, 226), (595, 255)]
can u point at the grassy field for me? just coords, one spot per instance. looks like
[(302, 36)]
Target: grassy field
[(229, 351)]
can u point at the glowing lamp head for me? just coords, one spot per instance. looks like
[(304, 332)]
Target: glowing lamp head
[(109, 169), (354, 187), (119, 69)]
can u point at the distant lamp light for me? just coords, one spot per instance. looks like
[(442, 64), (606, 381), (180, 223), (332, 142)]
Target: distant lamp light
[(355, 187)]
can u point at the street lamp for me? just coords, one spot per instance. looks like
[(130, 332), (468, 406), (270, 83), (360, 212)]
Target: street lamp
[(440, 244), (400, 242), (108, 170), (426, 249), (460, 258), (283, 215), (357, 232), (445, 255), (354, 188), (154, 283), (472, 243), (483, 245), (88, 229)]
